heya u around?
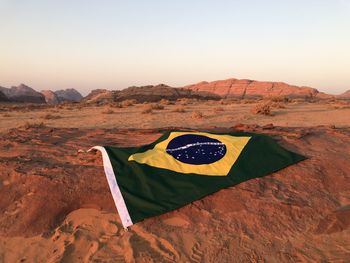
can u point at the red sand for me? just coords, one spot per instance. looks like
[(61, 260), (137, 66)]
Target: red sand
[(55, 204)]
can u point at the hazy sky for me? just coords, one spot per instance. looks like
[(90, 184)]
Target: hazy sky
[(115, 44)]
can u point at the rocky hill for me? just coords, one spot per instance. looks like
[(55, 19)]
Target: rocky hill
[(50, 97), (215, 90), (3, 96), (69, 95), (245, 88), (5, 91), (23, 93), (345, 95), (148, 93), (155, 93), (100, 96)]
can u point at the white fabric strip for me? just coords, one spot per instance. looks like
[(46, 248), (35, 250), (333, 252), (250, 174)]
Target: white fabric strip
[(113, 185)]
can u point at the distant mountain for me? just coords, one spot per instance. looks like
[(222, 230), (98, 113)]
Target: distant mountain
[(215, 90), (148, 93), (3, 96), (69, 95), (345, 95), (155, 93), (23, 93), (245, 88), (50, 97)]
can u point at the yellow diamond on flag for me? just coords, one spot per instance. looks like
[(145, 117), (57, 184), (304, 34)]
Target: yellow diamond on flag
[(194, 153)]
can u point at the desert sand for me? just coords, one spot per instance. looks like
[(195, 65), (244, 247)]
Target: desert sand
[(220, 114), (55, 205)]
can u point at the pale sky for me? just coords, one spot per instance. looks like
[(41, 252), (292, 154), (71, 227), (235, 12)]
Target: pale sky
[(115, 44)]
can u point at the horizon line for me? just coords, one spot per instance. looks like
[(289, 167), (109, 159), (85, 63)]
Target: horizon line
[(174, 86)]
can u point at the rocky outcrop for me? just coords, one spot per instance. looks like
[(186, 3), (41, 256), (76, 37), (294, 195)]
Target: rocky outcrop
[(100, 96), (244, 88), (155, 93), (3, 96), (322, 95), (69, 95), (345, 95), (50, 97), (23, 93), (5, 91), (148, 93)]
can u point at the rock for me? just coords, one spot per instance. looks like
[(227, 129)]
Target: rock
[(5, 91), (244, 88), (50, 97), (3, 96), (322, 95), (268, 126), (345, 95), (69, 95), (23, 93), (100, 96), (148, 93), (156, 93)]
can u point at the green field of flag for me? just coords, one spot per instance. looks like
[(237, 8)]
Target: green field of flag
[(181, 167)]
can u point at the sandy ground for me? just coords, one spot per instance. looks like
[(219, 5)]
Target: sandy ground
[(214, 114), (55, 204)]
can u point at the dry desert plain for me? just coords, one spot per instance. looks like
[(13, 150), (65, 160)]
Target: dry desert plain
[(55, 205)]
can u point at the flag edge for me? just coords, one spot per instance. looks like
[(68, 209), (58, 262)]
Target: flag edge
[(114, 187)]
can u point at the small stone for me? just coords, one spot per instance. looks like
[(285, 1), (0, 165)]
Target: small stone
[(268, 126)]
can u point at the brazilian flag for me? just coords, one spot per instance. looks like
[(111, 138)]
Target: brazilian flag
[(181, 167)]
